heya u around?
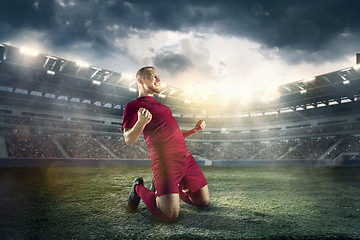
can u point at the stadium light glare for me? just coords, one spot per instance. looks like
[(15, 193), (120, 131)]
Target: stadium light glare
[(246, 98), (127, 76), (131, 89), (308, 80), (161, 95), (205, 97), (29, 51), (226, 101), (95, 82), (82, 64), (172, 91), (187, 101), (271, 112), (224, 130), (50, 72), (302, 91), (270, 95), (133, 83), (190, 91), (346, 82), (346, 70)]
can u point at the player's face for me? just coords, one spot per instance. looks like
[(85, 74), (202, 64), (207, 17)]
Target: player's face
[(152, 81)]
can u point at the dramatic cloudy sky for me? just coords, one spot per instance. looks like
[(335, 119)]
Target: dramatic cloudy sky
[(229, 47)]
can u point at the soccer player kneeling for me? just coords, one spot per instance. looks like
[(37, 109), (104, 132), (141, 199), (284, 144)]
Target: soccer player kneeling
[(176, 173)]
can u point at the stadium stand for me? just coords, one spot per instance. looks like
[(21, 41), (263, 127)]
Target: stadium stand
[(51, 107), (31, 145)]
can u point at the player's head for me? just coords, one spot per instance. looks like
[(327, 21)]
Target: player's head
[(148, 80), (143, 71)]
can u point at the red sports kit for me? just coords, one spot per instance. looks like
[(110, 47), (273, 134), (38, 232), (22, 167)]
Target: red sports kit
[(173, 166)]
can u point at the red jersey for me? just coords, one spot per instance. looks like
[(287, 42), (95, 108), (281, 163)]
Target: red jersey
[(162, 134)]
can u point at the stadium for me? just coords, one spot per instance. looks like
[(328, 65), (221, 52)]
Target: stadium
[(55, 108), (60, 137)]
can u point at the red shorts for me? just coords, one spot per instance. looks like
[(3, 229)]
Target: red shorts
[(174, 172)]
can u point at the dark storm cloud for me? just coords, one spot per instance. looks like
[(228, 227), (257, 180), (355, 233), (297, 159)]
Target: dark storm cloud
[(302, 30), (16, 15), (171, 62)]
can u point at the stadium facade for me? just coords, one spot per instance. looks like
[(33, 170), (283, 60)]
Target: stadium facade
[(54, 109)]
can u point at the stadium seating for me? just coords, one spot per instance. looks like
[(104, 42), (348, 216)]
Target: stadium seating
[(31, 145), (234, 146)]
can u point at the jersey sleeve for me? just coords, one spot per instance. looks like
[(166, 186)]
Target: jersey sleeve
[(130, 116)]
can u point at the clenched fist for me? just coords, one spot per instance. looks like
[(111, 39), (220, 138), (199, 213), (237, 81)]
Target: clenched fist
[(144, 116), (200, 125)]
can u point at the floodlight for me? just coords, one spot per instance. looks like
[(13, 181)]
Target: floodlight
[(308, 80), (95, 82), (161, 95), (302, 91), (29, 51), (82, 64), (131, 89), (50, 72), (346, 82)]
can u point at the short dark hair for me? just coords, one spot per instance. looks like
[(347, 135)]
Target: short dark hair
[(142, 71)]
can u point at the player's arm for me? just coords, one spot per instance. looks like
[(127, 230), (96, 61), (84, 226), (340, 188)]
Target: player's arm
[(131, 135), (199, 126)]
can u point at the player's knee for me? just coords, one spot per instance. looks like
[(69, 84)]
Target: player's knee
[(203, 203), (169, 205), (207, 201), (171, 215)]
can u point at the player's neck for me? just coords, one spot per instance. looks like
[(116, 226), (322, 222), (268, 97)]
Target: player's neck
[(143, 94)]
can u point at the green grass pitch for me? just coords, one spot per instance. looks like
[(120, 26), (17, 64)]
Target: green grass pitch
[(246, 203)]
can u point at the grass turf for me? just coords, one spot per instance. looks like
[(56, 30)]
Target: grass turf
[(246, 203)]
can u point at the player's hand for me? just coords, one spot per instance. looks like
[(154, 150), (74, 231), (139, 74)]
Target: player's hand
[(144, 116), (200, 125)]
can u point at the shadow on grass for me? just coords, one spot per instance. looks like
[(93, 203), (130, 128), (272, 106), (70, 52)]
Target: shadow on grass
[(30, 207)]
